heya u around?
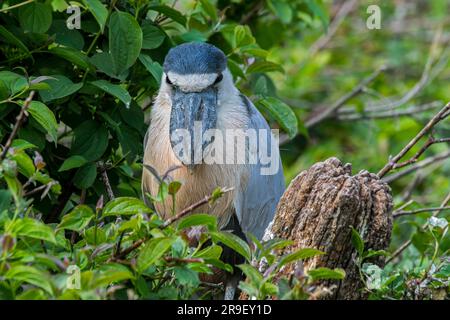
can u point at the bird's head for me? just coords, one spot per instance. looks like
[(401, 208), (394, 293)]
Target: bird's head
[(195, 75)]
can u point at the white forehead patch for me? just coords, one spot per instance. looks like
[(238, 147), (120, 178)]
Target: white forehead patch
[(192, 82)]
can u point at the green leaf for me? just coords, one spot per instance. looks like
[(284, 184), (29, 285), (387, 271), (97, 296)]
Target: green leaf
[(125, 40), (12, 39), (283, 10), (232, 241), (103, 62), (326, 273), (20, 145), (186, 276), (32, 228), (125, 206), (98, 10), (72, 162), (78, 219), (114, 90), (13, 82), (211, 252), (5, 200), (35, 17), (91, 140), (61, 87), (209, 9), (170, 13), (152, 36), (45, 117), (264, 66), (198, 219), (252, 274), (153, 250), (357, 241), (24, 163), (282, 113), (300, 254), (112, 273), (74, 56), (29, 275), (152, 66), (85, 176)]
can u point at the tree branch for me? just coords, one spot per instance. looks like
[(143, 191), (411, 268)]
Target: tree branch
[(393, 163), (22, 115)]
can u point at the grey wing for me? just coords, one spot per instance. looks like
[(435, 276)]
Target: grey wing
[(256, 204)]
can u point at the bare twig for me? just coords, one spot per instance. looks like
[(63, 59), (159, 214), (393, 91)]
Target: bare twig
[(315, 119), (388, 113), (191, 208), (184, 260), (400, 213), (393, 163), (105, 180), (22, 115), (419, 165)]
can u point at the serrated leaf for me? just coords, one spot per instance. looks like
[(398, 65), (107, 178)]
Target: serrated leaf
[(32, 228), (78, 219), (264, 66), (125, 206), (300, 254), (29, 275), (45, 117), (234, 242), (196, 220), (282, 113), (114, 90), (326, 274), (153, 250)]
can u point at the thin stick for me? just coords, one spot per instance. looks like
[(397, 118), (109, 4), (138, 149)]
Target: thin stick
[(22, 115), (400, 213), (419, 165), (191, 208), (105, 180), (393, 163), (340, 102), (16, 5)]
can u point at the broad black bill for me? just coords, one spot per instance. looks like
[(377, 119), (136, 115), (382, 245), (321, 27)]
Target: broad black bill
[(194, 113)]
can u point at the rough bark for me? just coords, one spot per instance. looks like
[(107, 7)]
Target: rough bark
[(318, 210)]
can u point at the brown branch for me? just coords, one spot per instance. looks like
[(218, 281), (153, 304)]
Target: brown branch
[(401, 213), (315, 119), (184, 260), (387, 114), (191, 208), (22, 115), (105, 180), (419, 165), (393, 163)]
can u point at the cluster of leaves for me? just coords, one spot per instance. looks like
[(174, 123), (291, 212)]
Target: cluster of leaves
[(93, 87), (430, 279)]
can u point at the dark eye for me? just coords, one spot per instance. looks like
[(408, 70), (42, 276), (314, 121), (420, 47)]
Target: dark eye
[(168, 80), (218, 79)]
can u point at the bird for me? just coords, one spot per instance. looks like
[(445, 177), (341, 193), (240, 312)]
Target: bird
[(198, 88)]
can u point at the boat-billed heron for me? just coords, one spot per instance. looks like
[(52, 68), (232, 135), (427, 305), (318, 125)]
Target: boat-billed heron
[(197, 95)]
